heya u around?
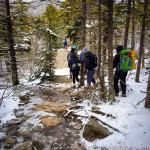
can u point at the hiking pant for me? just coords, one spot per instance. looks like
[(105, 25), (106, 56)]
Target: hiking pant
[(90, 74), (119, 75), (75, 76)]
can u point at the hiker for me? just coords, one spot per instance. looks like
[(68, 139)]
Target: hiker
[(65, 43), (73, 65), (89, 65), (68, 58), (119, 75)]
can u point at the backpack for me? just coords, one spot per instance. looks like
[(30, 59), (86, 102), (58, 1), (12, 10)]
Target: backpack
[(74, 67), (126, 61), (93, 60), (68, 57)]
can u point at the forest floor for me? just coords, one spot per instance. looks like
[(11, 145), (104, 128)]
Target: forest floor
[(27, 131), (47, 116)]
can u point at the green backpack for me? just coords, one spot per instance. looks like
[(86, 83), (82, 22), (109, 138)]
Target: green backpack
[(126, 61)]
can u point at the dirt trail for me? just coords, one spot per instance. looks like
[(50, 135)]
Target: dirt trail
[(61, 59), (62, 137)]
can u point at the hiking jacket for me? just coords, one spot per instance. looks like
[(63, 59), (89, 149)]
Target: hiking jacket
[(87, 61), (73, 60), (116, 60)]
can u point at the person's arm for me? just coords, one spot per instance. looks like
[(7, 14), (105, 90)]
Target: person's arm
[(116, 60)]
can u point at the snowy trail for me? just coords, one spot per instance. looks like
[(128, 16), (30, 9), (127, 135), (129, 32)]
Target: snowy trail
[(61, 58)]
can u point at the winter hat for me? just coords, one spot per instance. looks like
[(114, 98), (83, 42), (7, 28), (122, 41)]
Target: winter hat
[(119, 48), (84, 50)]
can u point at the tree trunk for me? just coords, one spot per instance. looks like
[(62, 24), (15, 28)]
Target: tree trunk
[(11, 46), (127, 24), (83, 36), (147, 102), (99, 40), (110, 50), (133, 26), (142, 39)]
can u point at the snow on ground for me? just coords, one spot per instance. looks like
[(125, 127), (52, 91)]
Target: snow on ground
[(63, 72), (9, 104), (132, 120)]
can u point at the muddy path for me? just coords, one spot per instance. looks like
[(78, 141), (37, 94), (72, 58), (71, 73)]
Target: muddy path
[(27, 131)]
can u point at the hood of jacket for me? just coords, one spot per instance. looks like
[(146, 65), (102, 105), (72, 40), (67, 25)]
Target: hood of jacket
[(119, 48), (72, 55), (84, 50)]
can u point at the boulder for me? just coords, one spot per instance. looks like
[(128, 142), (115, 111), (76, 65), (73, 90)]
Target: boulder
[(94, 130), (10, 141), (77, 95), (26, 132), (37, 128), (65, 90), (25, 96), (25, 146), (27, 117), (51, 121), (60, 109)]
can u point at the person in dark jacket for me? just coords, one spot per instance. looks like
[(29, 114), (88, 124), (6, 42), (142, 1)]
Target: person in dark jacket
[(88, 66), (119, 75), (73, 65)]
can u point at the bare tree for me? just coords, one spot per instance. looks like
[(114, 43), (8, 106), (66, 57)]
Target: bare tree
[(83, 37), (11, 45), (133, 25), (127, 24), (110, 50), (142, 39), (147, 102), (99, 40)]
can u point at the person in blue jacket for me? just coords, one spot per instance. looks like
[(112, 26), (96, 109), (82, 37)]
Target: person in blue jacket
[(65, 43)]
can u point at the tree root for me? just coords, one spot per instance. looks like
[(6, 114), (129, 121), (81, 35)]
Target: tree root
[(105, 123), (102, 113), (141, 101)]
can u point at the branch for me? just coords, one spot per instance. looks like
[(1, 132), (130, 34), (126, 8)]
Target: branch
[(141, 101), (142, 91), (102, 113), (1, 99), (105, 123)]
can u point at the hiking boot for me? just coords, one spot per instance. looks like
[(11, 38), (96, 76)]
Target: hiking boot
[(79, 85), (123, 95), (74, 86), (116, 94)]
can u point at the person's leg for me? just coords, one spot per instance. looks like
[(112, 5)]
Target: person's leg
[(116, 87), (89, 76), (73, 77), (77, 73), (93, 79), (123, 82)]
